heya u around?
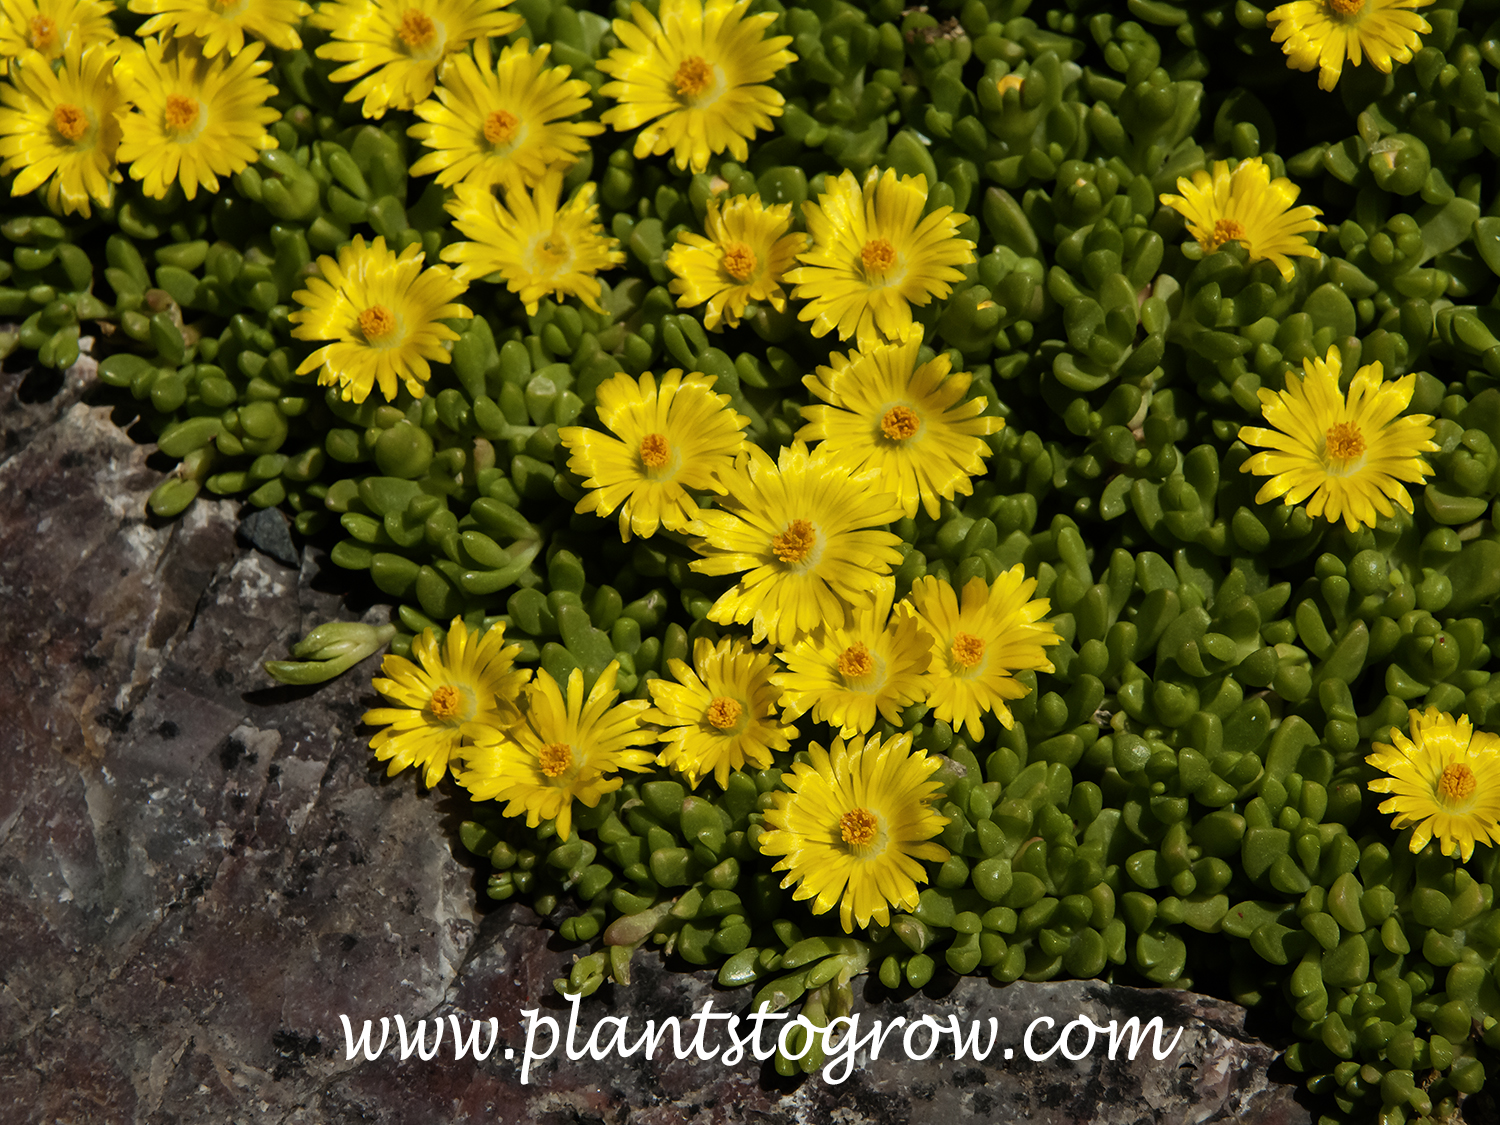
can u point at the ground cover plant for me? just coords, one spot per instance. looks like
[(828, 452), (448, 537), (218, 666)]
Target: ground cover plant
[(987, 487)]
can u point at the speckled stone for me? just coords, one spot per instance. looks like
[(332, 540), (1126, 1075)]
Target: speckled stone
[(200, 872)]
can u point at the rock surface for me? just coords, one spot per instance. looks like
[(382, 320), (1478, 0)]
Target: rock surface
[(200, 872)]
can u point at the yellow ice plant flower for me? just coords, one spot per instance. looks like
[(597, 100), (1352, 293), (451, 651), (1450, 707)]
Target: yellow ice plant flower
[(1250, 208), (564, 750), (808, 535), (693, 78), (855, 826), (666, 440), (396, 46), (980, 643), (223, 24), (1321, 34), (383, 313), (196, 118), (52, 27), (720, 715), (909, 423), (539, 248), (1444, 779), (504, 123), (1345, 455), (848, 677), (62, 128), (743, 259), (874, 255), (465, 686)]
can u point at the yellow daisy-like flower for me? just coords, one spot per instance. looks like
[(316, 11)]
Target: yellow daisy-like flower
[(52, 27), (223, 24), (979, 646), (397, 46), (504, 123), (539, 248), (465, 687), (848, 676), (384, 314), (855, 826), (566, 750), (1323, 33), (1250, 208), (910, 424), (742, 260), (196, 118), (667, 440), (63, 127), (720, 715), (806, 533), (874, 255), (1346, 456), (695, 77), (1446, 781)]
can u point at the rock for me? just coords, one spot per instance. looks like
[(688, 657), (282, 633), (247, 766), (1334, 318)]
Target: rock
[(200, 872)]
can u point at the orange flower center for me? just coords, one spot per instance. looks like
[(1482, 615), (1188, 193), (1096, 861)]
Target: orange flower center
[(377, 323), (1225, 230), (1345, 9), (795, 543), (416, 29), (855, 662), (551, 251), (878, 256), (69, 121), (739, 261), (655, 451), (500, 128), (446, 702), (1345, 441), (1456, 783), (858, 827), (968, 650), (692, 77), (182, 113), (724, 712), (43, 33), (899, 423), (556, 759)]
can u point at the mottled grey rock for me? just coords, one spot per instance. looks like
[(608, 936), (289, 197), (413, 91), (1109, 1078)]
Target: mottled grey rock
[(268, 530), (201, 871)]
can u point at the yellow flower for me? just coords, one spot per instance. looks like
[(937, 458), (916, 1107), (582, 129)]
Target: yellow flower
[(742, 260), (196, 118), (1349, 455), (694, 76), (721, 714), (52, 27), (384, 314), (845, 676), (858, 819), (503, 124), (874, 255), (465, 686), (978, 646), (910, 424), (63, 126), (805, 532), (1322, 33), (564, 750), (667, 440), (1250, 208), (1445, 779), (396, 46), (539, 248), (223, 24)]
